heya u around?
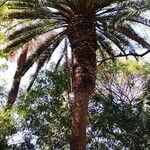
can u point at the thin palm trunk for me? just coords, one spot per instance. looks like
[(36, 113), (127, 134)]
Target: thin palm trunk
[(82, 38), (17, 77)]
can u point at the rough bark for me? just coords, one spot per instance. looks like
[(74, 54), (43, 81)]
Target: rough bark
[(82, 37)]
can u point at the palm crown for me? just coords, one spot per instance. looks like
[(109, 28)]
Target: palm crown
[(90, 24), (111, 19)]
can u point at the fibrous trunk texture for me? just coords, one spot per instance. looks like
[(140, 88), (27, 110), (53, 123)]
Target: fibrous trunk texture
[(82, 37)]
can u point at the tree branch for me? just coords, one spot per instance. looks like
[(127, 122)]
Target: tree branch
[(124, 55)]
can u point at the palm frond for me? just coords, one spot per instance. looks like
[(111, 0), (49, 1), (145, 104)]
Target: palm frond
[(2, 3), (43, 58), (106, 45), (17, 5), (101, 4), (63, 53), (27, 36), (40, 62), (39, 25), (28, 10), (30, 14), (139, 19), (121, 41), (130, 33), (46, 45), (64, 8)]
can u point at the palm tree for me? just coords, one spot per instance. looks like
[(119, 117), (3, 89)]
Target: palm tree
[(88, 25)]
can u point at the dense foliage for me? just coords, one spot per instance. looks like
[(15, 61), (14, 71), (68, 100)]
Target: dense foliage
[(118, 111)]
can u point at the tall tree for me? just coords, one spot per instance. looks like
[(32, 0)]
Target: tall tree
[(88, 24)]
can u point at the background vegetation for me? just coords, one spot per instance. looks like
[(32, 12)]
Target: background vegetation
[(118, 111)]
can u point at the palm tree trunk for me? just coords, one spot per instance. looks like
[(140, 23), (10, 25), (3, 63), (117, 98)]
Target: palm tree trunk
[(82, 37), (17, 77)]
